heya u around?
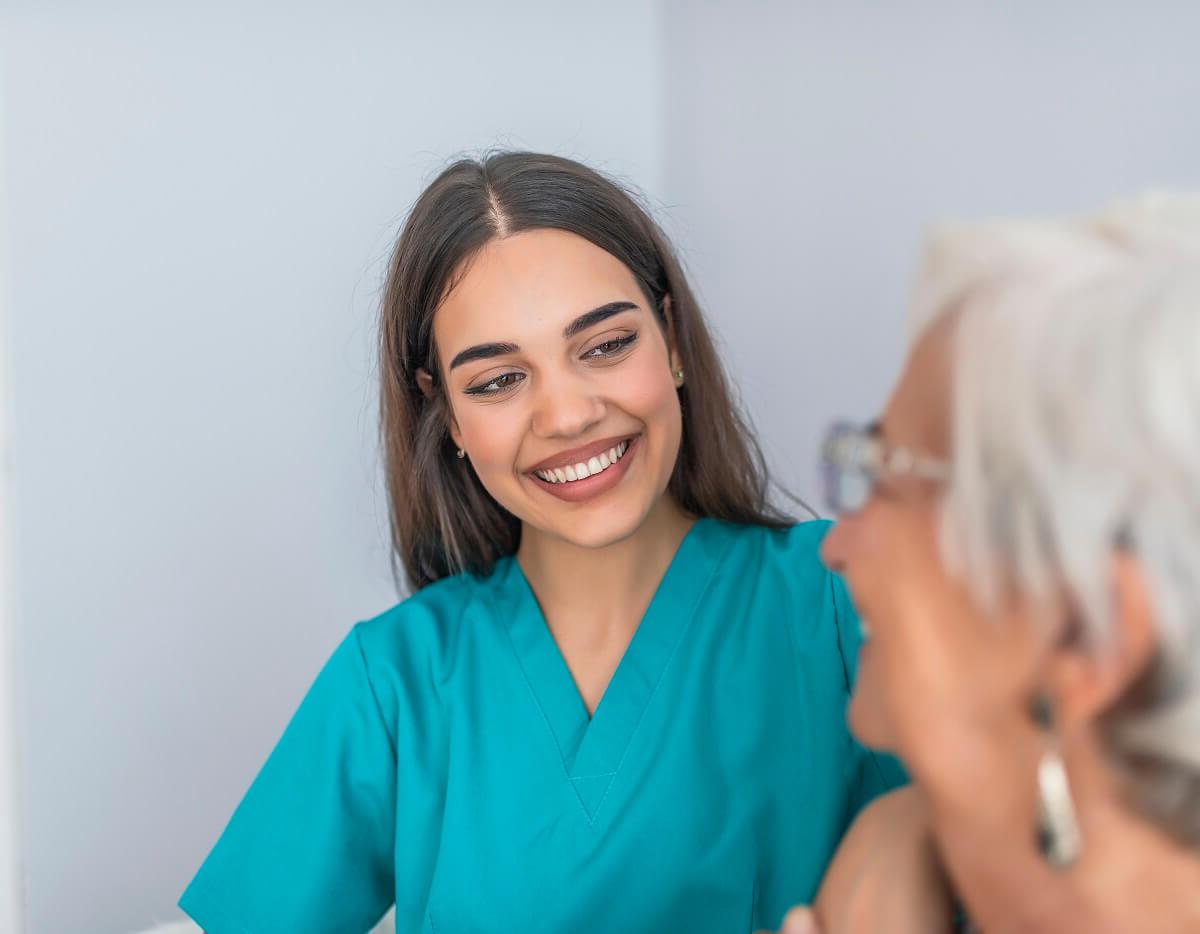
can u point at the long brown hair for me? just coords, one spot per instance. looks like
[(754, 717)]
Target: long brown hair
[(443, 521)]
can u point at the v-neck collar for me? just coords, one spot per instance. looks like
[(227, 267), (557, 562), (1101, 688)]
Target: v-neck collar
[(592, 749)]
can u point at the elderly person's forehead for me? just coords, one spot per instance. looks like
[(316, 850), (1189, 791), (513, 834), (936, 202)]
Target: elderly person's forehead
[(918, 414)]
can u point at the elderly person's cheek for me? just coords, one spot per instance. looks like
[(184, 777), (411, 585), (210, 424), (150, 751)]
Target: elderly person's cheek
[(889, 704), (907, 668), (851, 549), (868, 708)]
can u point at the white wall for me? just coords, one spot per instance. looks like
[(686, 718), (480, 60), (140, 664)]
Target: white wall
[(199, 200), (808, 145), (10, 836)]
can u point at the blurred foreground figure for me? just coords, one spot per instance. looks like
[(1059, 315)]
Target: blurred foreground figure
[(1020, 532)]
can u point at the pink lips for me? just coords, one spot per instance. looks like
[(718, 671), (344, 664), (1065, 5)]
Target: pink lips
[(577, 491), (581, 454)]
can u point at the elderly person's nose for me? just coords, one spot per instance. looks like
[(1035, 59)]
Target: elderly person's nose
[(835, 548)]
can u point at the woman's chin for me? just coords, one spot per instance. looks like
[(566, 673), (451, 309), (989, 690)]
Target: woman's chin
[(597, 523), (601, 528)]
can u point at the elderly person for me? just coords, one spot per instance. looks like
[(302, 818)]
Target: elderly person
[(1021, 533)]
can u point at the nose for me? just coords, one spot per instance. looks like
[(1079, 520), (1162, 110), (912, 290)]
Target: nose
[(565, 407), (835, 547)]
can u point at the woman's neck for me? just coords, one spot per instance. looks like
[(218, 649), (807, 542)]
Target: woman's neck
[(610, 585), (1129, 877), (593, 599)]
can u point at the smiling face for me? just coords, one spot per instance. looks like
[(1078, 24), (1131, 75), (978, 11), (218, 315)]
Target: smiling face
[(560, 384), (938, 678)]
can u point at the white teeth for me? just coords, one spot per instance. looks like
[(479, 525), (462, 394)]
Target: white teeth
[(581, 471)]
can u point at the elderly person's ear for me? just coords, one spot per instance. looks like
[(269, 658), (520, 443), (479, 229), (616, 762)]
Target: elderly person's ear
[(1087, 682)]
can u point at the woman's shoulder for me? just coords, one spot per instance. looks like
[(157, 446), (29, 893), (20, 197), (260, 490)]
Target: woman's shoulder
[(423, 630), (792, 550), (784, 564), (802, 539), (434, 604)]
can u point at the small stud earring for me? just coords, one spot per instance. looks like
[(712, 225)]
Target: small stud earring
[(461, 453), (679, 377)]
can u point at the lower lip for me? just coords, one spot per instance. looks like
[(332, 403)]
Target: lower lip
[(578, 491)]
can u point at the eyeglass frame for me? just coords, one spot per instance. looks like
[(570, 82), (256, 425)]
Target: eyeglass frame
[(849, 448)]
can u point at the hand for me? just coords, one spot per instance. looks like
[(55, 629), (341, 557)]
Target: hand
[(798, 921), (885, 876)]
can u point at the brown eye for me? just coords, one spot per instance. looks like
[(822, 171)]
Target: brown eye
[(496, 385), (610, 348)]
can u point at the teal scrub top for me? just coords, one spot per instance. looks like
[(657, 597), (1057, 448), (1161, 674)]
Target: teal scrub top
[(443, 760)]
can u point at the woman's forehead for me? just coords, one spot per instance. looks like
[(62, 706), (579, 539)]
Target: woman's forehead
[(530, 280)]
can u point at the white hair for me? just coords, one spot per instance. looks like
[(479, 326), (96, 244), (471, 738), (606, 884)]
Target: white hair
[(1076, 432)]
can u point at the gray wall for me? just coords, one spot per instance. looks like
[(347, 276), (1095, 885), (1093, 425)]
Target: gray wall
[(809, 145), (10, 850), (199, 200), (198, 203)]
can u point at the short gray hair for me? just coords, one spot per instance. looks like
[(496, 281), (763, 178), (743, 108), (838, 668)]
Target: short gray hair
[(1076, 431)]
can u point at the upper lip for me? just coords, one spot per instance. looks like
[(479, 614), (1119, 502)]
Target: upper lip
[(579, 455)]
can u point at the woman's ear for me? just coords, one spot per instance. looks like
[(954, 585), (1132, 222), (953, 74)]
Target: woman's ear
[(455, 434), (1088, 681), (672, 344), (425, 384)]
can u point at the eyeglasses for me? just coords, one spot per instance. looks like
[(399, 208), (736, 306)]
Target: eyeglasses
[(852, 459)]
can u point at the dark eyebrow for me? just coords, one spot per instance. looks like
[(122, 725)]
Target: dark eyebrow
[(582, 323), (595, 316), (482, 352)]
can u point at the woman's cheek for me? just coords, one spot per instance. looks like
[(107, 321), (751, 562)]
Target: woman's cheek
[(492, 437), (644, 390), (649, 394)]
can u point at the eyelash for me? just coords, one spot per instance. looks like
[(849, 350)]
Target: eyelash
[(485, 391), (618, 344)]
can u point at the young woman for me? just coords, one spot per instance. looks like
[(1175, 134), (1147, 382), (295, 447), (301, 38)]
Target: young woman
[(615, 700)]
